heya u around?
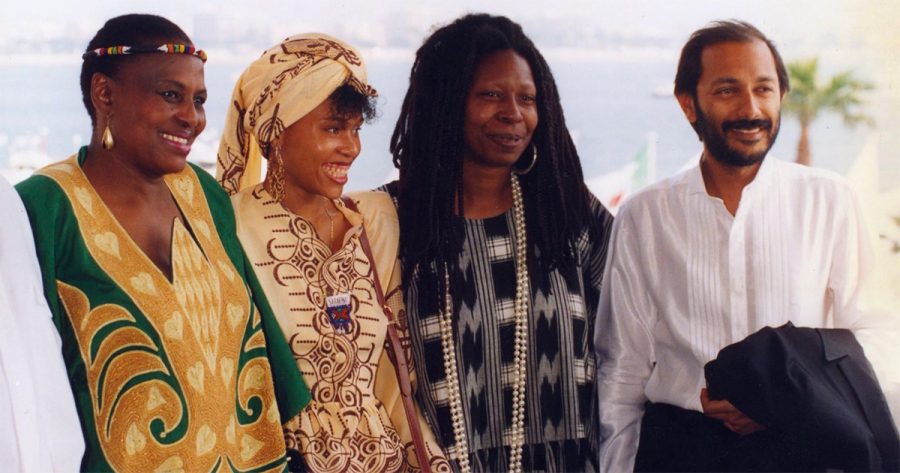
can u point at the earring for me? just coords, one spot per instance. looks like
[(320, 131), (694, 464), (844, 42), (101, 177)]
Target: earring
[(276, 175), (534, 155), (106, 140)]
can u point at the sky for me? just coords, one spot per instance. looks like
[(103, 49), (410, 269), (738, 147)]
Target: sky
[(833, 29), (804, 21), (830, 28)]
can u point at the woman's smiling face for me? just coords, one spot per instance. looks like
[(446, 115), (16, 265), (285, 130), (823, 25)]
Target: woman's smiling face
[(318, 149), (157, 110), (501, 110)]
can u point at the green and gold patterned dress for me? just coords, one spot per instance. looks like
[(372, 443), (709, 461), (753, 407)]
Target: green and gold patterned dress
[(168, 375)]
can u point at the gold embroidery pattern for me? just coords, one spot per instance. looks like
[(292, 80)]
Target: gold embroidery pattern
[(180, 384), (345, 428), (197, 290)]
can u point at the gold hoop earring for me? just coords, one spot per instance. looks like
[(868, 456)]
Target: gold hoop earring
[(106, 139), (534, 156), (276, 175)]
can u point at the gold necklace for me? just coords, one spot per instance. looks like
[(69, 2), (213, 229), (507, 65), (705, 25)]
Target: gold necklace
[(330, 222), (520, 311)]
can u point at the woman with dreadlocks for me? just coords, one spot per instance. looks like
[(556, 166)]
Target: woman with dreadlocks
[(503, 248)]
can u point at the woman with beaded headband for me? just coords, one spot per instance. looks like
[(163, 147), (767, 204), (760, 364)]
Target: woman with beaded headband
[(502, 248), (172, 351), (323, 259)]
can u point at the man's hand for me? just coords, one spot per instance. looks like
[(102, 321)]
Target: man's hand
[(733, 419)]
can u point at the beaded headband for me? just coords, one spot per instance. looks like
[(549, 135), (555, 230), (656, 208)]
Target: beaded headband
[(169, 48)]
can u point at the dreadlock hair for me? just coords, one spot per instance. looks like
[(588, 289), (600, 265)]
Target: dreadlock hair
[(135, 29), (428, 144)]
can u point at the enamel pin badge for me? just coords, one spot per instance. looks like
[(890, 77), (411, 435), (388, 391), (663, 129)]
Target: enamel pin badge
[(338, 309)]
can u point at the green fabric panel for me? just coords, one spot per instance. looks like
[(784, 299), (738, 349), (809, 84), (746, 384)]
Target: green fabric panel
[(291, 391), (63, 256)]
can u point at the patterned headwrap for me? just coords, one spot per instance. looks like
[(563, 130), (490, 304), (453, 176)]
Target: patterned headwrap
[(283, 85)]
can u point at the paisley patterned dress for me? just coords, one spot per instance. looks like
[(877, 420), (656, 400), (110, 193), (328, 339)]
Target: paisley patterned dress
[(355, 421)]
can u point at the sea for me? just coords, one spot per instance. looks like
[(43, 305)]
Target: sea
[(612, 108)]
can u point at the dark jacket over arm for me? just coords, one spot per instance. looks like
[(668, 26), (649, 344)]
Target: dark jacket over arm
[(815, 389)]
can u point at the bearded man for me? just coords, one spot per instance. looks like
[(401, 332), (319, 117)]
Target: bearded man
[(706, 258)]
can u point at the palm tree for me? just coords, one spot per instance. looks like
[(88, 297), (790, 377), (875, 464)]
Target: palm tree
[(807, 99)]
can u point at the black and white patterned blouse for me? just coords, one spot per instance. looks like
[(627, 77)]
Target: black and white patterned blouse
[(560, 413)]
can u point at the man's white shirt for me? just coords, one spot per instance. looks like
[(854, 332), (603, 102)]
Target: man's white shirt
[(684, 278)]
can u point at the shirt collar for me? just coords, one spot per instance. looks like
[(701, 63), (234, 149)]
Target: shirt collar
[(763, 177), (695, 184)]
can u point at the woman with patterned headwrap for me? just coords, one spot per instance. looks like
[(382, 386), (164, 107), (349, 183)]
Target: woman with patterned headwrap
[(323, 260), (170, 347)]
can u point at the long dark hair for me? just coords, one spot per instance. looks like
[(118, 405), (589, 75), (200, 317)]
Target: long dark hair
[(427, 146)]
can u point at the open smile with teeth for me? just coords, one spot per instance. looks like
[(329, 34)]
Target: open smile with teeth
[(176, 139), (336, 171), (748, 135)]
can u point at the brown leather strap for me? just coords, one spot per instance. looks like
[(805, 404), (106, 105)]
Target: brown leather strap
[(400, 362)]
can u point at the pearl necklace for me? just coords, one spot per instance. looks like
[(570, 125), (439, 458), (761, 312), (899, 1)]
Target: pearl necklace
[(520, 311)]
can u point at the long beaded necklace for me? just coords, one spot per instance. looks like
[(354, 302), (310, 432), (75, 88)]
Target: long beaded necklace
[(520, 311)]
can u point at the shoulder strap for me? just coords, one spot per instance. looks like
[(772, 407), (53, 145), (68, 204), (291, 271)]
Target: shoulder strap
[(400, 362)]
